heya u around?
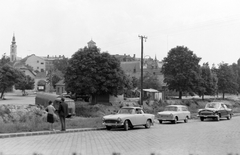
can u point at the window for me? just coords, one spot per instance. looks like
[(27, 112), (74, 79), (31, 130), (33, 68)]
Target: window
[(42, 63), (184, 109), (37, 61)]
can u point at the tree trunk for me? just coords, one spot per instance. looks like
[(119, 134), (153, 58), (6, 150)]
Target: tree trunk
[(180, 95), (223, 95), (2, 93), (202, 96), (94, 99)]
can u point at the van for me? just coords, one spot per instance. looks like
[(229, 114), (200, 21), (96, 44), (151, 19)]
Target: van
[(43, 98)]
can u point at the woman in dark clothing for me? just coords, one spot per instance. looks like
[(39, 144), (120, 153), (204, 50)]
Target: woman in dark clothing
[(50, 116)]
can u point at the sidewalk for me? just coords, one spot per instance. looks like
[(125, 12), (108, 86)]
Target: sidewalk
[(21, 134)]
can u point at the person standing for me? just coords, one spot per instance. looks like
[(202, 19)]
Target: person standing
[(50, 115), (63, 113)]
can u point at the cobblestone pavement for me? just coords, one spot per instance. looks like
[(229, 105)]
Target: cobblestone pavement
[(195, 138)]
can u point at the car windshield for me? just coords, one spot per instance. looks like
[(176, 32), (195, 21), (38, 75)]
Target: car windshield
[(212, 105), (125, 111), (170, 108)]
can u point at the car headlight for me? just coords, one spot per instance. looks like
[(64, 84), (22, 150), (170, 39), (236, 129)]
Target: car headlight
[(119, 119), (103, 119), (171, 115)]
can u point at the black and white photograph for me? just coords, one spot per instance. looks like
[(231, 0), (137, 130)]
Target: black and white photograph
[(120, 77)]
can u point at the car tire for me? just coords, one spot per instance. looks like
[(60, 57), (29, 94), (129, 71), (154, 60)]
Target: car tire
[(218, 118), (202, 119), (229, 116), (126, 125), (108, 127), (160, 121), (148, 124), (186, 119), (175, 120)]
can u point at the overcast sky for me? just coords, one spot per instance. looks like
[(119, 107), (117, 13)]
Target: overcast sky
[(210, 28)]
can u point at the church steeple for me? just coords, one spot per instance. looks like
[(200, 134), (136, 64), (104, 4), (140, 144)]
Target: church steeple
[(13, 39), (13, 50)]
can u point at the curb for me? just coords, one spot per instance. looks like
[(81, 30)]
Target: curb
[(11, 135)]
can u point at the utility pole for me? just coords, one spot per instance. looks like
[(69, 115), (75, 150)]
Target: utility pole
[(141, 97)]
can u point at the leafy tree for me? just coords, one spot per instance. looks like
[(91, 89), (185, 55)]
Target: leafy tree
[(150, 81), (93, 73), (207, 84), (236, 70), (227, 81), (55, 80), (4, 60), (135, 82), (60, 64), (181, 70), (8, 77), (130, 89), (53, 77), (24, 82)]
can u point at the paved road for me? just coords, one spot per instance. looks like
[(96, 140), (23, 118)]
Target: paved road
[(18, 99), (195, 137)]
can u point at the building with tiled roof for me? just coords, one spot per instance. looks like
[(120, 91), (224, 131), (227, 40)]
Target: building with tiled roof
[(60, 87), (133, 68)]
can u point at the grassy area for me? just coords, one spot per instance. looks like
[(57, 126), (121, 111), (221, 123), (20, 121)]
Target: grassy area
[(34, 119), (40, 125)]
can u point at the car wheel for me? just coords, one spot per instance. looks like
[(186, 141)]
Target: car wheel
[(218, 118), (202, 118), (148, 124), (175, 120), (186, 120), (229, 116), (108, 127), (160, 121), (126, 125)]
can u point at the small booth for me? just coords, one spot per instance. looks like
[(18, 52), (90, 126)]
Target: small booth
[(152, 94)]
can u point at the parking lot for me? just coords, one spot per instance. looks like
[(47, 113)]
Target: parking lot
[(195, 137)]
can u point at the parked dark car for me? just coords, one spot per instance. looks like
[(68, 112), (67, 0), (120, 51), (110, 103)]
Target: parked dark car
[(215, 110)]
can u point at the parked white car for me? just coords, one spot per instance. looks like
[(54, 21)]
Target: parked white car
[(128, 117), (174, 113)]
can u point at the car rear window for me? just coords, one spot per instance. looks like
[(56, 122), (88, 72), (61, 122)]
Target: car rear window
[(171, 108)]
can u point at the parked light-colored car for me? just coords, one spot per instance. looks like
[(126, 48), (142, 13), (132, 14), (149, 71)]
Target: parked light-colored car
[(128, 117), (215, 110), (174, 113)]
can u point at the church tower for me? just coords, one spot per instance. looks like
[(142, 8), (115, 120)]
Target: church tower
[(91, 44), (13, 50)]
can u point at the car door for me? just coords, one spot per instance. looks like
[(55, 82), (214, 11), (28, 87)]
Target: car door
[(227, 110), (185, 112), (223, 110), (133, 117), (141, 118)]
